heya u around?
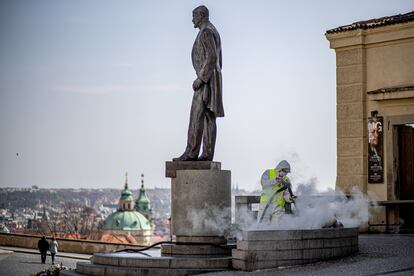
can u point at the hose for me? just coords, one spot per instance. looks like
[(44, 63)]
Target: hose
[(132, 250)]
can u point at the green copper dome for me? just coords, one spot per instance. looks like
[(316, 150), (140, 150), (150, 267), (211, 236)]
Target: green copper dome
[(126, 220)]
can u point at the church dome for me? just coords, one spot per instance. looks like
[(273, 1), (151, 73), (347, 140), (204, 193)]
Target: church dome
[(126, 220)]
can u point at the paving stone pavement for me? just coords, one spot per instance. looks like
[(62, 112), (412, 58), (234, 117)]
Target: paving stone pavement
[(379, 254), (22, 264)]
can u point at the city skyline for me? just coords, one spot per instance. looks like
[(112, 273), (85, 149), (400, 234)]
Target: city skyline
[(90, 90)]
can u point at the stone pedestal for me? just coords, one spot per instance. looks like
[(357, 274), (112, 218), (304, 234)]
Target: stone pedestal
[(171, 167), (200, 202), (200, 218)]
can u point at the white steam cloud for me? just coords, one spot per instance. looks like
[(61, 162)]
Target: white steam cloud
[(314, 210), (211, 220)]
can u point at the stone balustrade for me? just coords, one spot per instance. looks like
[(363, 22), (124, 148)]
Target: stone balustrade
[(65, 245)]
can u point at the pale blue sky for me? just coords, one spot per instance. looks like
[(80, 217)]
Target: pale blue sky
[(91, 89)]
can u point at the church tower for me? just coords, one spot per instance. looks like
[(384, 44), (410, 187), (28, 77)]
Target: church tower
[(143, 203), (126, 202)]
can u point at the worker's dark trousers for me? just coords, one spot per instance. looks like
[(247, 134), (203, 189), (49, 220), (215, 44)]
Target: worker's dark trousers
[(288, 208), (43, 256), (53, 257)]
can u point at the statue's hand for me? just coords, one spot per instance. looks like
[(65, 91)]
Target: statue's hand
[(197, 83)]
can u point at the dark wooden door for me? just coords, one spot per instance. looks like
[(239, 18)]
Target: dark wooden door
[(406, 164), (406, 174)]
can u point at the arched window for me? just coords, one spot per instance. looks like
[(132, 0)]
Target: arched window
[(129, 206)]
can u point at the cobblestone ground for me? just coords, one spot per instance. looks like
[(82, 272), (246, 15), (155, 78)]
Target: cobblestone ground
[(378, 255), (22, 264)]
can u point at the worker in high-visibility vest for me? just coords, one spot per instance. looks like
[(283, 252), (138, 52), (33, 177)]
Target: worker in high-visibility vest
[(276, 195)]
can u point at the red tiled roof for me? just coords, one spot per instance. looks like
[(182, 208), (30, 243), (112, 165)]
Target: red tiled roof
[(118, 238), (375, 23)]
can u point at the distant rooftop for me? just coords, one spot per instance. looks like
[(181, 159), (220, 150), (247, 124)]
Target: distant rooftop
[(375, 23)]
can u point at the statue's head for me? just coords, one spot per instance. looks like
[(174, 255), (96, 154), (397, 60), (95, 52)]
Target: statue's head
[(200, 15)]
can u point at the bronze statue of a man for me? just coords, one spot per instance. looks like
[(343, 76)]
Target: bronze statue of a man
[(207, 102)]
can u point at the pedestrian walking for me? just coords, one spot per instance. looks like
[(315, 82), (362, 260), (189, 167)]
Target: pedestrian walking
[(43, 246), (53, 249)]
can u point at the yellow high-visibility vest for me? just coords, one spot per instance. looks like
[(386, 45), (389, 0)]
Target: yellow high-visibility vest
[(268, 192)]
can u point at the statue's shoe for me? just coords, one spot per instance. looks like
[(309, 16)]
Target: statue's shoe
[(185, 157)]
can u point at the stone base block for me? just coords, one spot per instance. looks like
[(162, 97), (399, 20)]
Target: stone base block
[(277, 235), (296, 254), (297, 244), (274, 248), (171, 167), (150, 263), (106, 270), (250, 266), (200, 203), (135, 260), (201, 239), (266, 255), (178, 249)]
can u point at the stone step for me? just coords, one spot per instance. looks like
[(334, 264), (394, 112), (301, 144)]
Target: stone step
[(139, 260), (70, 273), (219, 240), (304, 254), (182, 249), (107, 270), (296, 244), (276, 235), (255, 265)]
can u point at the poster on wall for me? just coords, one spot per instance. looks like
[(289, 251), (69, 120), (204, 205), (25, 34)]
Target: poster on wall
[(375, 149)]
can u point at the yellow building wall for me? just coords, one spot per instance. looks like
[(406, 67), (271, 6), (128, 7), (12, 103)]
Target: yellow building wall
[(368, 60), (390, 64)]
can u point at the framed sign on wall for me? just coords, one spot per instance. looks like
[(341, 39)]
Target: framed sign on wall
[(375, 149)]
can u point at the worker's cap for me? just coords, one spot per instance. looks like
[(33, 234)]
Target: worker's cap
[(283, 165)]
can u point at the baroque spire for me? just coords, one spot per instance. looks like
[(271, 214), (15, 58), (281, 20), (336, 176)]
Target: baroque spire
[(126, 181)]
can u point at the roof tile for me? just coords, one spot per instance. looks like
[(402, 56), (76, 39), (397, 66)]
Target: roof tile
[(375, 23)]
